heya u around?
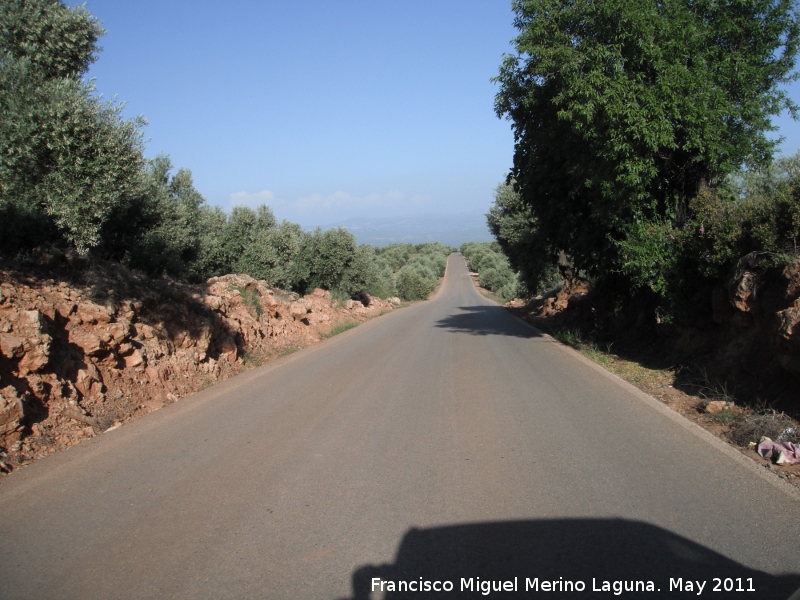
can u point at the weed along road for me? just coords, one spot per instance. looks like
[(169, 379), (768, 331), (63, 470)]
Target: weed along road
[(445, 446)]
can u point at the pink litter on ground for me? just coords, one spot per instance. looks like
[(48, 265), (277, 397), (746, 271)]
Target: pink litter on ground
[(779, 452)]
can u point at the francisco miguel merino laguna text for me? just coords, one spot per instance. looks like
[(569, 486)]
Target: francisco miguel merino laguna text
[(486, 587)]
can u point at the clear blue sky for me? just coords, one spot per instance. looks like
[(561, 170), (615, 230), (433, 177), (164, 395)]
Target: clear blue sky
[(324, 110)]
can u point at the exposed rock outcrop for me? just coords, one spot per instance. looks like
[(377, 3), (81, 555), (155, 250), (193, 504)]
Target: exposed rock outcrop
[(77, 358)]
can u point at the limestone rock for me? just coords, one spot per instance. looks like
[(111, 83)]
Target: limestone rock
[(89, 342), (714, 407), (92, 314), (11, 346), (37, 354), (134, 359), (298, 310), (11, 415)]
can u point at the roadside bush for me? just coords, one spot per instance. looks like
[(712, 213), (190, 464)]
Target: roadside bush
[(410, 271), (394, 256), (361, 274), (489, 278), (415, 283), (520, 238), (322, 259), (759, 212), (157, 230), (383, 285), (211, 257), (66, 158), (753, 217), (494, 272)]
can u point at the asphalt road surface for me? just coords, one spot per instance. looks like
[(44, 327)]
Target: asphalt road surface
[(444, 444)]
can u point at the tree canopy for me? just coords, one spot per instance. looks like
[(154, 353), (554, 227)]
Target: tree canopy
[(57, 41), (67, 159), (623, 109)]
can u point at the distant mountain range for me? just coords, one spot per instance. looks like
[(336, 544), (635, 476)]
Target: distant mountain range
[(449, 229)]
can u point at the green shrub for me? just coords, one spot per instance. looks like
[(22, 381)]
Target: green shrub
[(361, 274), (494, 272), (520, 238), (754, 216), (414, 283), (323, 259), (508, 292), (383, 285)]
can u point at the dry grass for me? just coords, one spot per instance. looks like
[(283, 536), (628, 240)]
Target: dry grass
[(341, 327), (776, 426)]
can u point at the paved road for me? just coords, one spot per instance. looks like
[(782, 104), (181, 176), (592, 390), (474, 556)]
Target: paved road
[(443, 441)]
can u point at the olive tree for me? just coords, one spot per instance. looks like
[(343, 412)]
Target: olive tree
[(67, 158)]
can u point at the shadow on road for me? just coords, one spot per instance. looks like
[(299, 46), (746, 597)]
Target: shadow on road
[(590, 551), (486, 320)]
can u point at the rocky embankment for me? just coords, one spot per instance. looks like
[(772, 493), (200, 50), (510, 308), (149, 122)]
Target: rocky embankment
[(83, 348), (748, 337)]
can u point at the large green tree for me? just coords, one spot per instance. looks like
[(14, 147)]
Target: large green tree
[(56, 40), (324, 258), (623, 109), (67, 159)]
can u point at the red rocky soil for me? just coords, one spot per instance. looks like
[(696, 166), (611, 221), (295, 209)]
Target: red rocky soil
[(84, 349)]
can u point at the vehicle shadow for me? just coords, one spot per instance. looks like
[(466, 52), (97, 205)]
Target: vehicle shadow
[(577, 557), (486, 320)]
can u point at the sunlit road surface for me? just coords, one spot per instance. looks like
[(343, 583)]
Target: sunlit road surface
[(445, 444)]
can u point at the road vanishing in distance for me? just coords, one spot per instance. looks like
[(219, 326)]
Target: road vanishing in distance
[(444, 442)]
